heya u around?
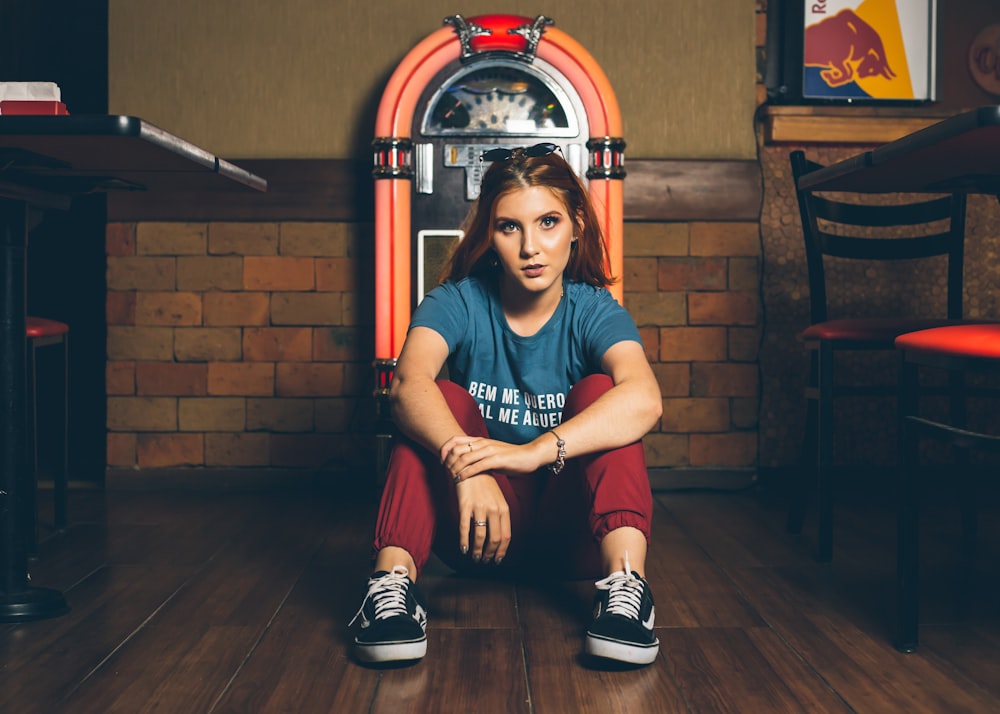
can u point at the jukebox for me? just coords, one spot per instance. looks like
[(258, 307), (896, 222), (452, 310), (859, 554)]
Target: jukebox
[(475, 84)]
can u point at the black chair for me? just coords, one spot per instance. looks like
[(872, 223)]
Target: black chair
[(831, 228)]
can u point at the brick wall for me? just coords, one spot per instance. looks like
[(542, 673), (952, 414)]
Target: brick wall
[(248, 345), (693, 290), (237, 345)]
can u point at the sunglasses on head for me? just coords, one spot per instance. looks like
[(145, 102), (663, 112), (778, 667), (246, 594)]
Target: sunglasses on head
[(502, 154)]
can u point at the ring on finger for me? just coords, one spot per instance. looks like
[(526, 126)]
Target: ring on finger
[(470, 447), (479, 523)]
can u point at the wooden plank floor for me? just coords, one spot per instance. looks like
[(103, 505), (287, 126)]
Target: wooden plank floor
[(238, 602)]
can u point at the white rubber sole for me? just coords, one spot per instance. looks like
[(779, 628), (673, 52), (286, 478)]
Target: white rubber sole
[(622, 651), (392, 651)]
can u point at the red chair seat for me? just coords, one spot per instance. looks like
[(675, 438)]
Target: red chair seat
[(874, 329), (978, 341), (43, 327)]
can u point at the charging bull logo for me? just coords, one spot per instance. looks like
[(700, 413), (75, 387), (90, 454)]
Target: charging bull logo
[(847, 48)]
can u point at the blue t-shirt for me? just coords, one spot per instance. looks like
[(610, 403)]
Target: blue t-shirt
[(520, 383)]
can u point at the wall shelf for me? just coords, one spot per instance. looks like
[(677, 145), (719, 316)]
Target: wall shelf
[(845, 125)]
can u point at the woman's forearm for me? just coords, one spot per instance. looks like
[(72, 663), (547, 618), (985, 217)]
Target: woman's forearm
[(420, 411), (622, 415)]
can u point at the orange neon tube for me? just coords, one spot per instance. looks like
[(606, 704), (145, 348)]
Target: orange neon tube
[(604, 117), (392, 196)]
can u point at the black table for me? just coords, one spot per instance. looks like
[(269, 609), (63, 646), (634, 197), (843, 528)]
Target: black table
[(44, 162), (958, 155)]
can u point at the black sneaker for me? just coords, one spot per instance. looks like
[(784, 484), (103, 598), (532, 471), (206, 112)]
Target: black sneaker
[(623, 620), (393, 619)]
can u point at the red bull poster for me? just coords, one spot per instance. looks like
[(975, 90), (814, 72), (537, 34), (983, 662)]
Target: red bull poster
[(870, 50)]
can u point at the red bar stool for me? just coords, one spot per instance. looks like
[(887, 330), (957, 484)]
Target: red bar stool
[(964, 350), (43, 333)]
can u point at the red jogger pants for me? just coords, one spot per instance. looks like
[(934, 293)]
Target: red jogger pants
[(557, 521)]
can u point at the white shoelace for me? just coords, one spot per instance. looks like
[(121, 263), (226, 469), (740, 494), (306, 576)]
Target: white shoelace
[(388, 592), (625, 596)]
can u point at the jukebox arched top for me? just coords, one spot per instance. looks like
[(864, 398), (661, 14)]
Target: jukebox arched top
[(503, 97)]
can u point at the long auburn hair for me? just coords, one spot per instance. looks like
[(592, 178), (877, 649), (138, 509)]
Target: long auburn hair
[(473, 255)]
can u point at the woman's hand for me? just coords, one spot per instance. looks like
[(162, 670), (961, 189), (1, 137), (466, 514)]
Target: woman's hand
[(483, 519), (483, 512), (468, 456)]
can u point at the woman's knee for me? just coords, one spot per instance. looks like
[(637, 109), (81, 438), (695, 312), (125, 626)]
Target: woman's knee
[(585, 392), (463, 407)]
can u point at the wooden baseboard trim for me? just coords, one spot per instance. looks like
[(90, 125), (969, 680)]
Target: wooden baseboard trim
[(202, 479), (211, 479), (709, 479)]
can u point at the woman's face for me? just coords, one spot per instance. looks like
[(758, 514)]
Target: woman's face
[(532, 233)]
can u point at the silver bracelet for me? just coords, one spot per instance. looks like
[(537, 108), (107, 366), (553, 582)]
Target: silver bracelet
[(557, 465)]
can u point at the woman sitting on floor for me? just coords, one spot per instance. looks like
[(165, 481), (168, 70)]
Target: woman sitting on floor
[(529, 456)]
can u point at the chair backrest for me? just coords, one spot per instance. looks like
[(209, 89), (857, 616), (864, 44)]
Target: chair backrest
[(905, 231)]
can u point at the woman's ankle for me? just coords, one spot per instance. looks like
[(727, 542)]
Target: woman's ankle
[(391, 556), (617, 544)]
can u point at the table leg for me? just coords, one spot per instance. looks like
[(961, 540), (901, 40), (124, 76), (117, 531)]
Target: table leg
[(19, 601)]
